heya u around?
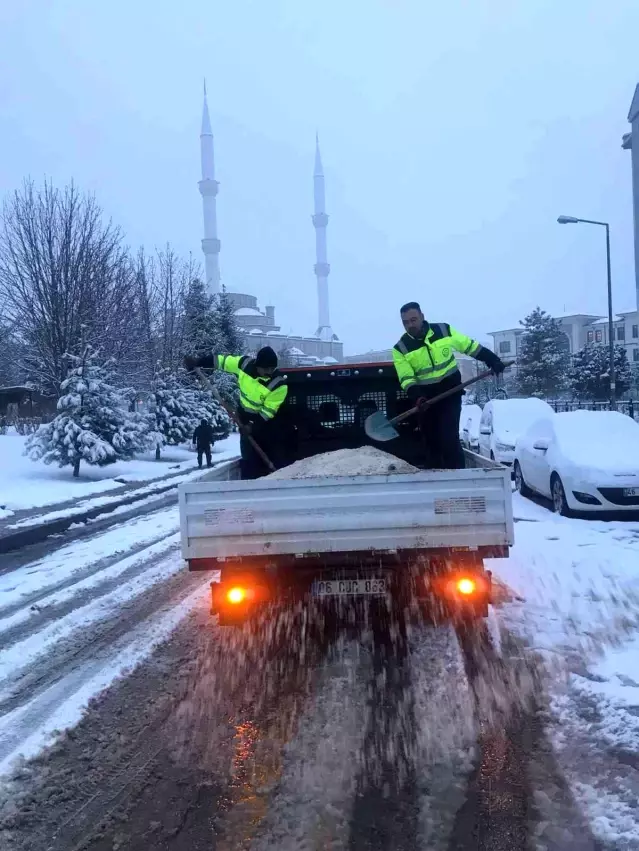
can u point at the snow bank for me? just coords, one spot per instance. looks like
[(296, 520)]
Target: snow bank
[(26, 484), (366, 461), (606, 440)]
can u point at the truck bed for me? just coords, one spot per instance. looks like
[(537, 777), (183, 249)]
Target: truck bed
[(463, 509)]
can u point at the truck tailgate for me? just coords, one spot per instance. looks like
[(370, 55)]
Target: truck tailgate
[(440, 508)]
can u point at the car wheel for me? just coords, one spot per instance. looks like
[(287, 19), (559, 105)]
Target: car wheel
[(520, 483), (559, 502)]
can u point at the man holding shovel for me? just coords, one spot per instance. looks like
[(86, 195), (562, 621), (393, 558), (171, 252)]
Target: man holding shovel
[(426, 366), (262, 393)]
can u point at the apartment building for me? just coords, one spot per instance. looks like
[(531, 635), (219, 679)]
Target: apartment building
[(580, 329)]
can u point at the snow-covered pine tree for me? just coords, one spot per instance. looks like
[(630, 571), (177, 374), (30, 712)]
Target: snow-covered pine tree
[(174, 407), (228, 336), (200, 326), (207, 408), (544, 356), (228, 339), (589, 376), (93, 423)]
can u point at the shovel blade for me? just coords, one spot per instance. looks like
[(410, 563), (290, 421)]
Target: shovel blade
[(378, 427)]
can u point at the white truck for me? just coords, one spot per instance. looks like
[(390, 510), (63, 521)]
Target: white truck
[(416, 540)]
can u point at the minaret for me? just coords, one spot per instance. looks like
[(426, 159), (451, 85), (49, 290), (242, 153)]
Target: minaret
[(208, 190), (322, 268)]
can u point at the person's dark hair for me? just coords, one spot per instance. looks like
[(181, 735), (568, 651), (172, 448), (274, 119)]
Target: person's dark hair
[(410, 305), (204, 422)]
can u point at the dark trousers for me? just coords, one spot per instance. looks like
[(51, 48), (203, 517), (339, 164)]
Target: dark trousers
[(204, 450), (251, 464), (439, 426)]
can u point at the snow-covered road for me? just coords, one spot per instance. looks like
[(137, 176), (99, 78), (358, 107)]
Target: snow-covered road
[(73, 620), (579, 580), (344, 751)]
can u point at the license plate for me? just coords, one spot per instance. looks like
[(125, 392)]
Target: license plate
[(349, 587), (631, 491)]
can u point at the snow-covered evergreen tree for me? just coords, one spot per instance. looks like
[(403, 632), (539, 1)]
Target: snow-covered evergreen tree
[(93, 423), (207, 408), (200, 321), (590, 372), (544, 356), (175, 408), (229, 339)]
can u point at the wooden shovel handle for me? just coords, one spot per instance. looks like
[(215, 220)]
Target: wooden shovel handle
[(401, 417)]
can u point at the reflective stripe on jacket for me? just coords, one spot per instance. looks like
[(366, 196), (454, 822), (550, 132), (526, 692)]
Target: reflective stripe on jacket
[(431, 360), (258, 395)]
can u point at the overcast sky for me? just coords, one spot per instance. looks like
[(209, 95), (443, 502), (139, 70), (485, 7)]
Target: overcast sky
[(453, 134)]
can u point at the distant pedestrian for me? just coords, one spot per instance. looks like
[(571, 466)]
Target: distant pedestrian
[(203, 439)]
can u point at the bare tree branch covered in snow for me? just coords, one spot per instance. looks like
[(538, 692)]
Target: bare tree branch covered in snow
[(170, 284), (65, 280)]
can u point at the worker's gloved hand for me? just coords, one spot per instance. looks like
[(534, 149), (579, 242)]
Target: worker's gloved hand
[(492, 361), (204, 362), (497, 366), (421, 402), (246, 429)]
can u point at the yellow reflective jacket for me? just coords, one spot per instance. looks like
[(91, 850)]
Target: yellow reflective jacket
[(259, 395), (420, 364)]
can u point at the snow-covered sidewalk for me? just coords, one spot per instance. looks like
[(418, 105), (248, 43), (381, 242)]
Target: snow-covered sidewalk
[(26, 486), (579, 580)]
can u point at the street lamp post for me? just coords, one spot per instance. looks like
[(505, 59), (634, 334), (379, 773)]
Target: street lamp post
[(571, 220)]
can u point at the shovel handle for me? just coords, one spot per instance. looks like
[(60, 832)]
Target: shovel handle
[(233, 415), (401, 417)]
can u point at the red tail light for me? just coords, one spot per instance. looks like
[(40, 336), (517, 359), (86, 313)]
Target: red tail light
[(466, 586), (236, 595)]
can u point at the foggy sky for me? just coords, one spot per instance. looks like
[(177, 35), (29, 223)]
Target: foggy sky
[(453, 135)]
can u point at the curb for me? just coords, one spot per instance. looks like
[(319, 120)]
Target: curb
[(18, 538)]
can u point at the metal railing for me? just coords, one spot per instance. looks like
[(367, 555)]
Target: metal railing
[(624, 406)]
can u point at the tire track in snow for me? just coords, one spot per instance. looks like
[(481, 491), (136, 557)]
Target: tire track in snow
[(43, 666), (25, 731), (28, 585)]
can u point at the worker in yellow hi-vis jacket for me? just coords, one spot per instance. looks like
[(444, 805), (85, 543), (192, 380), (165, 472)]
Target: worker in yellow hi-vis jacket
[(425, 362), (262, 392)]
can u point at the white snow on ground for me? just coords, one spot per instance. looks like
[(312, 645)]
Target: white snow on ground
[(579, 580), (143, 641), (28, 484), (367, 461), (21, 655), (76, 558), (65, 594), (101, 501)]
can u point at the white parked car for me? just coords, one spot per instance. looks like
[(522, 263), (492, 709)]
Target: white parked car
[(469, 427), (503, 421), (585, 461)]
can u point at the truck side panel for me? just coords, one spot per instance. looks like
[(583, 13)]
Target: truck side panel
[(444, 508)]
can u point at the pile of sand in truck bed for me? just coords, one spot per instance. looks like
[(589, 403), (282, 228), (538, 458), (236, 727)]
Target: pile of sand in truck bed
[(366, 461)]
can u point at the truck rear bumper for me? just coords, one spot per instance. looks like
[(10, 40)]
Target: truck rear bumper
[(442, 588)]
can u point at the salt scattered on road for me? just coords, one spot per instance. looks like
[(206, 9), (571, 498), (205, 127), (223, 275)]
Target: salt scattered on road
[(366, 461)]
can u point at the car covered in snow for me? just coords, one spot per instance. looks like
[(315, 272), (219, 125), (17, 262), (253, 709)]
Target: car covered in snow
[(469, 427), (585, 461), (503, 421)]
